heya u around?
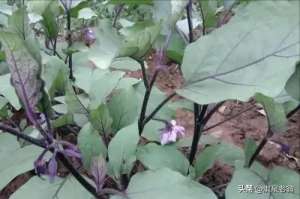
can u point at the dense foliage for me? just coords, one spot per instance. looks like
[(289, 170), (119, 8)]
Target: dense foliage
[(66, 101)]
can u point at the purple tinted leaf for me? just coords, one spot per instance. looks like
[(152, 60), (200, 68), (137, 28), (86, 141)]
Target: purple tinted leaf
[(52, 168), (98, 170), (72, 153), (24, 61)]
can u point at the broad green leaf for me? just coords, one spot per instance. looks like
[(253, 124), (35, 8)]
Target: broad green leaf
[(293, 84), (21, 161), (226, 153), (38, 188), (101, 119), (8, 91), (258, 181), (55, 74), (255, 52), (102, 84), (123, 108), (154, 157), (122, 150), (165, 183), (275, 113), (90, 144)]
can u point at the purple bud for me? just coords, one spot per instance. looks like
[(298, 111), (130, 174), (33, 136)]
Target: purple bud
[(98, 170), (52, 168), (40, 167), (88, 36)]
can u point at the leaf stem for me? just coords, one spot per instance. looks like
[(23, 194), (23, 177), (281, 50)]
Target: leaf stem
[(152, 114), (118, 12), (145, 102)]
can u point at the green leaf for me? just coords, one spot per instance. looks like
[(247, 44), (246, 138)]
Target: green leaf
[(165, 183), (123, 108), (226, 153), (49, 21), (77, 6), (260, 179), (55, 74), (105, 82), (122, 150), (209, 9), (86, 13), (101, 53), (125, 64), (154, 157), (90, 144), (21, 161), (130, 2), (37, 188), (100, 119), (74, 102), (63, 120), (293, 84), (8, 91), (168, 12), (139, 42), (275, 112), (259, 44), (176, 48), (249, 149)]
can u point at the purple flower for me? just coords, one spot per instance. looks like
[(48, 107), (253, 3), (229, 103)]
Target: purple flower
[(171, 132), (52, 168), (98, 170), (88, 36), (40, 167)]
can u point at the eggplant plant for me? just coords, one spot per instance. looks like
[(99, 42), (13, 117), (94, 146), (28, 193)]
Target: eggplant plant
[(85, 129)]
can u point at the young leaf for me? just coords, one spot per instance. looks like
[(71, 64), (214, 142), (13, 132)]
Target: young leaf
[(123, 108), (49, 20), (261, 179), (100, 119), (255, 52), (223, 152), (122, 150), (155, 157), (90, 144), (293, 84), (275, 112), (165, 183)]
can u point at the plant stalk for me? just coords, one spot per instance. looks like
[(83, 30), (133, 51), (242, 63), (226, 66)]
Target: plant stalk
[(69, 38), (145, 103)]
